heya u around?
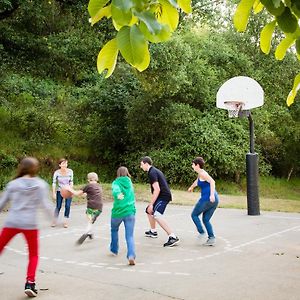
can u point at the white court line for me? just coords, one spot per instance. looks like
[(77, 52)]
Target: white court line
[(281, 217), (263, 238)]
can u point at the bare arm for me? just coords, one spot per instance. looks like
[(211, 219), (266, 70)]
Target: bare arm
[(156, 191), (194, 184)]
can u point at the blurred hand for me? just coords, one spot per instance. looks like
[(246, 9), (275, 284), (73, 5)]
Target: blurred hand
[(121, 196)]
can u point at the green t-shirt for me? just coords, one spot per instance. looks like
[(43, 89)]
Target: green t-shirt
[(126, 206)]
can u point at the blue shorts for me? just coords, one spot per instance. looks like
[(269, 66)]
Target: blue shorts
[(159, 206)]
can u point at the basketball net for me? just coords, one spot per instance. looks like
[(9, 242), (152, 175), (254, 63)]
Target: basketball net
[(233, 108)]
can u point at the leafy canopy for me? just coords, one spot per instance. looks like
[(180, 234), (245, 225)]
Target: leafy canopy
[(137, 23), (285, 16)]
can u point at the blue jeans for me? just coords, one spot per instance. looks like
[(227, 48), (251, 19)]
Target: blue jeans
[(129, 228), (59, 200), (207, 209)]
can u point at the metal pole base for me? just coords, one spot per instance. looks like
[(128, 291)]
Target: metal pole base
[(252, 184)]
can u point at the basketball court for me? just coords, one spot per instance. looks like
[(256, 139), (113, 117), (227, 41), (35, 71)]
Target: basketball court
[(256, 257)]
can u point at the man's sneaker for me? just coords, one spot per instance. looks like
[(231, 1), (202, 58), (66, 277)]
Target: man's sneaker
[(151, 234), (30, 289), (210, 242), (171, 241), (131, 261), (82, 239)]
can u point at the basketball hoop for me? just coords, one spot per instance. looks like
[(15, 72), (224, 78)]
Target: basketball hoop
[(233, 108)]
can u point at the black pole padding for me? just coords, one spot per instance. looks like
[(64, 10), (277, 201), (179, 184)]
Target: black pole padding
[(251, 131), (252, 184)]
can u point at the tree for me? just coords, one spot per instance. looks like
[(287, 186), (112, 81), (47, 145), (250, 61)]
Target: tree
[(137, 23), (285, 17)]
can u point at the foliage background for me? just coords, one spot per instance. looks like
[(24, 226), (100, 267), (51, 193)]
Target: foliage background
[(53, 103)]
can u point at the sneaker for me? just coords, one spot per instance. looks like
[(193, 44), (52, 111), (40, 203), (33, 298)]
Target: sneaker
[(171, 241), (30, 289), (65, 225), (151, 234), (131, 261), (82, 239), (210, 242), (201, 235)]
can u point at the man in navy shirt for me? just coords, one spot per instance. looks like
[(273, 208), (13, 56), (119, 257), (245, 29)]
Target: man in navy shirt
[(161, 196)]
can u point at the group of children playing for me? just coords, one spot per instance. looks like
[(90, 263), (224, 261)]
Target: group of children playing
[(27, 193)]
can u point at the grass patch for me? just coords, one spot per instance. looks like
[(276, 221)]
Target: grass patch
[(238, 201)]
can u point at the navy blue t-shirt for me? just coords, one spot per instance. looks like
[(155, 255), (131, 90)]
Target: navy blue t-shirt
[(156, 175)]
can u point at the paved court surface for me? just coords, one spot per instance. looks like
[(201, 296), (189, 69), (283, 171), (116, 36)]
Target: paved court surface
[(256, 257)]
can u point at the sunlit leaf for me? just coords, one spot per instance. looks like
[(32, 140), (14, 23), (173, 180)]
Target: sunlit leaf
[(282, 47), (121, 12), (103, 12), (185, 5), (162, 36), (150, 21), (95, 5), (266, 37), (107, 57), (257, 7), (169, 15), (242, 13), (291, 97), (133, 47)]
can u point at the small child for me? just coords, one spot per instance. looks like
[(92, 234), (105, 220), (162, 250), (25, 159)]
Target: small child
[(93, 192)]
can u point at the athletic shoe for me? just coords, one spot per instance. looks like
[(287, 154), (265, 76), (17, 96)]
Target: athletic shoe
[(201, 235), (131, 261), (210, 242), (151, 234), (65, 225), (30, 289), (82, 239), (171, 241)]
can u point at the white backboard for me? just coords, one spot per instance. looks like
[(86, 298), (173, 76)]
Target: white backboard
[(241, 89)]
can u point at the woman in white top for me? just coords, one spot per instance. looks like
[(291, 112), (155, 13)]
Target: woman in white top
[(62, 176)]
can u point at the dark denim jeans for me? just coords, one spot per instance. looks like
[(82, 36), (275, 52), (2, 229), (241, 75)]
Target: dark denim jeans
[(59, 200), (129, 229), (207, 209)]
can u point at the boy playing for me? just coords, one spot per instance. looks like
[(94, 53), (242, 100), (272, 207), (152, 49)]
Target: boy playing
[(93, 193)]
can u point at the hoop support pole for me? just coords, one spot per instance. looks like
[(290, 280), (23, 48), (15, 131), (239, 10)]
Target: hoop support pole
[(251, 129)]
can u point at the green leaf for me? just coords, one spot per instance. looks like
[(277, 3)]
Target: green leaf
[(150, 21), (257, 7), (287, 21), (276, 3), (162, 36), (95, 5), (242, 13), (298, 46), (282, 47), (103, 12), (185, 5), (266, 37), (275, 11), (296, 10), (173, 3), (169, 15), (133, 47), (291, 97), (107, 57), (121, 12)]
